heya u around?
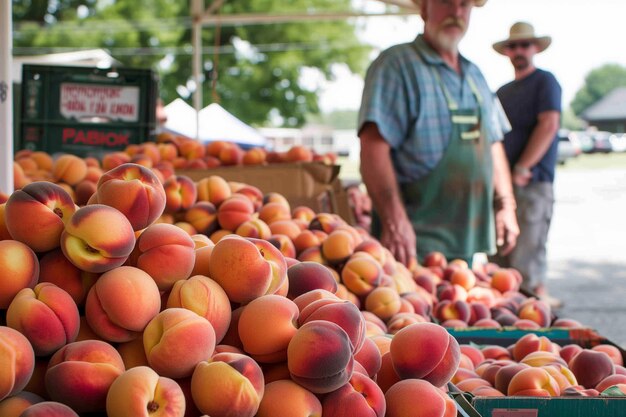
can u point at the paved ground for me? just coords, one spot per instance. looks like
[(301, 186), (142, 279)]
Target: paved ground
[(587, 248)]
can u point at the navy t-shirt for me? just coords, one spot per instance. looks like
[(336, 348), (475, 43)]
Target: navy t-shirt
[(522, 101)]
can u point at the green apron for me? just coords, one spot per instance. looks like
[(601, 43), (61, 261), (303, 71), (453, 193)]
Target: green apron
[(451, 207)]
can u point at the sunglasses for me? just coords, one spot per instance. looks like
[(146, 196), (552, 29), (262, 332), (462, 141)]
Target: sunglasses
[(515, 45)]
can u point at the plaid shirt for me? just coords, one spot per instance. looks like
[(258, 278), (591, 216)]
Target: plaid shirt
[(403, 97)]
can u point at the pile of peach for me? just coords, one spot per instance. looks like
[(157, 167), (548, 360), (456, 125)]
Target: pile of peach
[(535, 366)]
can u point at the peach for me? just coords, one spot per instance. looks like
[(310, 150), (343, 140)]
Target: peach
[(36, 215), (19, 269), (562, 375), (338, 246), (80, 374), (228, 385), (567, 323), (607, 382), (452, 310), (121, 303), (307, 276), (343, 313), (206, 298), (530, 343), (306, 239), (403, 396), (213, 189), (495, 352), (285, 246), (567, 352), (285, 227), (463, 277), (470, 384), (285, 398), (613, 351), (534, 382), (46, 315), (462, 374), (247, 268), (132, 353), (234, 211), (177, 333), (319, 356), (479, 311), (384, 302), (401, 320), (303, 213), (312, 254), (97, 238), (167, 253), (386, 376), (361, 274), (135, 191), (504, 280), (426, 351), (435, 259), (17, 360), (274, 211), (526, 324), (303, 300), (537, 311), (142, 392), (504, 374), (254, 156), (452, 292), (14, 405), (48, 409), (590, 367), (231, 155), (421, 301), (180, 193), (203, 217), (69, 169), (542, 358), (275, 318), (253, 193), (299, 153), (369, 357), (360, 395), (255, 228)]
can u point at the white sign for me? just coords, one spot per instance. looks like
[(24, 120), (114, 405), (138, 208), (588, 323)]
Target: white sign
[(82, 101)]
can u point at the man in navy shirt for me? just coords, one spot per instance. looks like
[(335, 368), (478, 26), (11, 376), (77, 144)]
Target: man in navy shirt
[(532, 103)]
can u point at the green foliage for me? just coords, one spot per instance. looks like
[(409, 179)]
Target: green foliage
[(570, 121), (598, 83), (251, 82)]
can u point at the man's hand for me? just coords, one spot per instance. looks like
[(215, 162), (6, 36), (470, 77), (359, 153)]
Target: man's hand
[(507, 229), (398, 236), (521, 176)]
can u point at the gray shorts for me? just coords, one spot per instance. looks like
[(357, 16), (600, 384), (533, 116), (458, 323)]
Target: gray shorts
[(535, 204)]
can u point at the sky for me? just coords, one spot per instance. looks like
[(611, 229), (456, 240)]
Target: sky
[(586, 34)]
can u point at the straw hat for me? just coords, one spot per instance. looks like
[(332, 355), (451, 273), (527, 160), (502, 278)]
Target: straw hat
[(522, 31), (477, 3)]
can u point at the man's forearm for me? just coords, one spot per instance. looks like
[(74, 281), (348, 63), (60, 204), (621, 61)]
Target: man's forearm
[(502, 184), (540, 139)]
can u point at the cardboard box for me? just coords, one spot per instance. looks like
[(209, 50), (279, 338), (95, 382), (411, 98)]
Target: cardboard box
[(312, 184)]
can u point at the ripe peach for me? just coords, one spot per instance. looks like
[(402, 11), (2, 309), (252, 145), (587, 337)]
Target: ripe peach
[(452, 310), (80, 374), (254, 156), (69, 169), (338, 246), (19, 269), (534, 382), (266, 326), (530, 343), (504, 280), (563, 376), (14, 405), (46, 315), (384, 302), (234, 211), (567, 352), (203, 217), (285, 246), (135, 191), (613, 351), (426, 351), (213, 189), (142, 392), (299, 153), (206, 298), (401, 320), (360, 395), (495, 352), (591, 366), (36, 215), (17, 360), (542, 358), (505, 373), (463, 277), (180, 193), (537, 311), (361, 274), (607, 382), (274, 211), (247, 268), (231, 155), (177, 333), (255, 228), (402, 397), (228, 385), (319, 356), (97, 238), (48, 409), (369, 357), (121, 303), (307, 276), (303, 213), (285, 398), (166, 252)]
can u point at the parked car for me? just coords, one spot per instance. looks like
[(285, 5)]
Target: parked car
[(618, 142), (567, 147), (584, 139), (601, 142)]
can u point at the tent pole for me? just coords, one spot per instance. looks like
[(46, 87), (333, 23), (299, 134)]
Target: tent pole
[(6, 98), (197, 9)]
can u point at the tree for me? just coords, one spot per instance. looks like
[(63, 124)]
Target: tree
[(255, 70), (598, 83)]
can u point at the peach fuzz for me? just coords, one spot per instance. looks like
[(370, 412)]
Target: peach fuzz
[(121, 303), (180, 193), (37, 214), (343, 313), (319, 356), (14, 405), (97, 238), (135, 191), (590, 367), (55, 268), (285, 398), (234, 211), (48, 409), (205, 297), (46, 315), (307, 276), (228, 385), (80, 374), (247, 268), (141, 392), (266, 326), (17, 361), (360, 395), (177, 333), (167, 253), (533, 382), (203, 217), (213, 189), (19, 269), (384, 302), (69, 169), (402, 397), (426, 351)]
